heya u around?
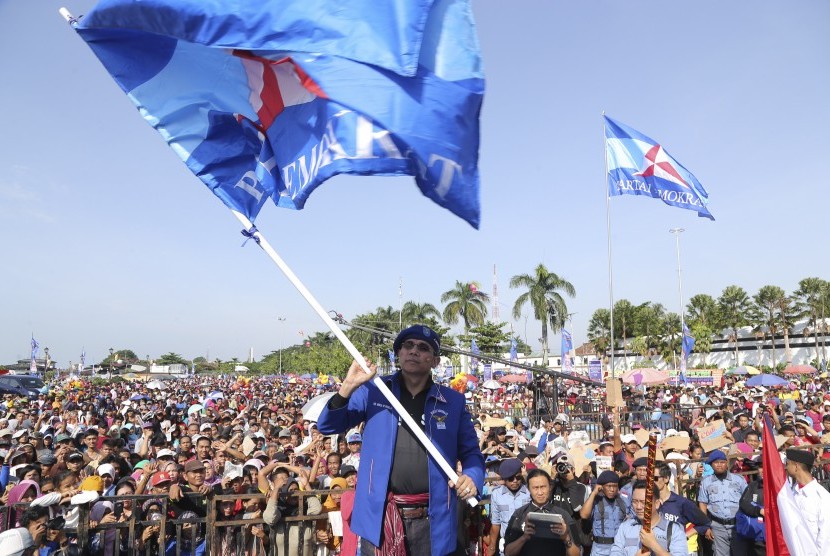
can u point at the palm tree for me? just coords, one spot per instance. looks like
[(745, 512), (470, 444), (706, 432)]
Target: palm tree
[(767, 300), (466, 302), (599, 331), (625, 318), (786, 314), (414, 313), (543, 294), (703, 309), (812, 298), (734, 306), (670, 342), (649, 317)]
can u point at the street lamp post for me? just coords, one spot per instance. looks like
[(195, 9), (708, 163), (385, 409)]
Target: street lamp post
[(281, 320), (46, 363), (677, 232)]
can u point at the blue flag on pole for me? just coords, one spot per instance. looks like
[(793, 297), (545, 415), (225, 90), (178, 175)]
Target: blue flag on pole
[(688, 345), (35, 348), (514, 356), (270, 99), (567, 346), (474, 360), (638, 165)]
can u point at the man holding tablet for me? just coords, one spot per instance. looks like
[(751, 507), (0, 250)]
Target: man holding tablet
[(540, 528)]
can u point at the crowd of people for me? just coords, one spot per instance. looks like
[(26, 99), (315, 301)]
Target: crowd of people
[(351, 477)]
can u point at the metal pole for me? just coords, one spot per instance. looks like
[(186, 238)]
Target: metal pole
[(677, 232), (608, 228), (280, 319)]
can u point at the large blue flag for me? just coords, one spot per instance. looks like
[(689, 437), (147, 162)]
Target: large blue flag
[(638, 165), (269, 99), (688, 341)]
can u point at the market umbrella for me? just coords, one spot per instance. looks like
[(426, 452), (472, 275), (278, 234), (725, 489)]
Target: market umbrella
[(800, 370), (155, 385), (639, 377), (215, 395), (195, 408), (766, 380), (130, 376), (314, 407), (491, 384), (744, 370), (137, 397), (513, 378)]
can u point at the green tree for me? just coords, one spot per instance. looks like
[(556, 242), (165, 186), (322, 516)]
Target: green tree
[(703, 309), (670, 341), (734, 308), (544, 293), (465, 302), (625, 318), (599, 332), (648, 323), (812, 299), (171, 358), (787, 315), (491, 338), (418, 313), (703, 340), (767, 301)]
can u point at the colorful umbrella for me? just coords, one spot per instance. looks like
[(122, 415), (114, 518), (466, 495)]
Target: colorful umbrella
[(639, 377), (513, 378), (800, 370), (766, 380), (744, 370), (491, 385)]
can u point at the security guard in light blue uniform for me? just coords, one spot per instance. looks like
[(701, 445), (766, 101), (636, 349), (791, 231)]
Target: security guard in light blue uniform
[(608, 511), (505, 500), (719, 498)]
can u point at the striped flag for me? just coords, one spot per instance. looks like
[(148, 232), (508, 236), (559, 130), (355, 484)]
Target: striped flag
[(787, 533)]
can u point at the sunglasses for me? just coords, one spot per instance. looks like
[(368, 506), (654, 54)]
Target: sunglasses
[(516, 477), (423, 347)]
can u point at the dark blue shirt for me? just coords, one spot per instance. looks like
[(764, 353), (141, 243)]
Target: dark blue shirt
[(681, 510)]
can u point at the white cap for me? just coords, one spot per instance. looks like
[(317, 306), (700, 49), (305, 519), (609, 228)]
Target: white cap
[(106, 469), (19, 433), (626, 438), (165, 452), (15, 541)]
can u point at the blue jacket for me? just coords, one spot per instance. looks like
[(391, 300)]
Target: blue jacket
[(447, 424)]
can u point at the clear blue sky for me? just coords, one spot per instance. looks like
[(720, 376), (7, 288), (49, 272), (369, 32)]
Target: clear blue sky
[(107, 239)]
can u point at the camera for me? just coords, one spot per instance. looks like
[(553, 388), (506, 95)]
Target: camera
[(154, 516), (562, 467), (56, 524)]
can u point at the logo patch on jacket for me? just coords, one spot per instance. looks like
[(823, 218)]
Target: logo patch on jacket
[(439, 415)]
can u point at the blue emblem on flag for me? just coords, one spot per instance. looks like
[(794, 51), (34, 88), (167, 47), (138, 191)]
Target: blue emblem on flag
[(270, 99), (638, 165)]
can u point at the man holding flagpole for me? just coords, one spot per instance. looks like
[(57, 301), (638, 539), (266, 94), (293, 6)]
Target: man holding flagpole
[(811, 499), (406, 505)]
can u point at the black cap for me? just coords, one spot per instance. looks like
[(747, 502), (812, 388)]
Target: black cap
[(640, 462), (801, 456), (419, 332), (347, 470), (607, 477)]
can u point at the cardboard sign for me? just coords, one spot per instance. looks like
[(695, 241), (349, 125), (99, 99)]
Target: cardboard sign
[(677, 443), (248, 445), (577, 456), (605, 463), (613, 390), (712, 435), (642, 437), (643, 453)]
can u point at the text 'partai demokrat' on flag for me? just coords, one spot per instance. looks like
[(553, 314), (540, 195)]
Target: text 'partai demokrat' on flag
[(269, 99), (638, 165)]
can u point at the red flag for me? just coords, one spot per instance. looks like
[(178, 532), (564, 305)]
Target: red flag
[(775, 479), (787, 532)]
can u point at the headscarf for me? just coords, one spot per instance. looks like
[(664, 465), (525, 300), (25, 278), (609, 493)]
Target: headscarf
[(330, 505), (15, 494)]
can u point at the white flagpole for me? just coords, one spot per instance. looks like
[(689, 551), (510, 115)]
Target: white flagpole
[(353, 351), (608, 227)]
